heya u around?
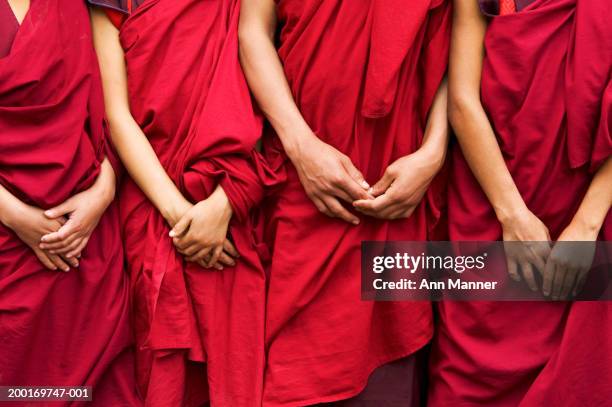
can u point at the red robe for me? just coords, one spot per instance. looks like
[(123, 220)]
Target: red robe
[(547, 89), (60, 329), (363, 74), (195, 327)]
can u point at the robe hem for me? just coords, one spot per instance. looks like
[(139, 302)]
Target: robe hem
[(361, 387)]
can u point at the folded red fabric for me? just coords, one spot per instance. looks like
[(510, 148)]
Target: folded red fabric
[(61, 329), (546, 89)]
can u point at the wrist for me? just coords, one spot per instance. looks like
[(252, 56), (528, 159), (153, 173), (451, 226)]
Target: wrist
[(432, 158), (511, 212), (586, 228), (173, 210), (105, 191), (11, 215), (294, 140), (219, 197)]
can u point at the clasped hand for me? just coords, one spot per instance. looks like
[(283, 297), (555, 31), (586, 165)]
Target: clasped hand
[(329, 177), (200, 234), (563, 266)]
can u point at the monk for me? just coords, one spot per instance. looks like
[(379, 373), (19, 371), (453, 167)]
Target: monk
[(64, 309), (355, 94), (530, 85), (181, 119)]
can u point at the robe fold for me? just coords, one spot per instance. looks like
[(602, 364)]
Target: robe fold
[(195, 328), (59, 329), (546, 85), (363, 74)]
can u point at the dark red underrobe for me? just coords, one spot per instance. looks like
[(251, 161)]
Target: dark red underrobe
[(502, 7), (8, 28), (117, 10)]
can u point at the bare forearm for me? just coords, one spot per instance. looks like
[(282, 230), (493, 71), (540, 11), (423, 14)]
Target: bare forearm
[(143, 165), (483, 154), (467, 115), (435, 140), (597, 202), (132, 145), (106, 182), (265, 74), (9, 205)]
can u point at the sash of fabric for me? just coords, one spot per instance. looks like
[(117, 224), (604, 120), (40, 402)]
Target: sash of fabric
[(53, 130), (580, 33), (395, 26), (189, 95)]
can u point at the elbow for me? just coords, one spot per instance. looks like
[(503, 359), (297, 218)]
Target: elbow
[(245, 38), (459, 108)]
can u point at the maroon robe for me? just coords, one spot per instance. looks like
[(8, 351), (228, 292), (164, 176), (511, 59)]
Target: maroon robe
[(59, 329), (547, 90)]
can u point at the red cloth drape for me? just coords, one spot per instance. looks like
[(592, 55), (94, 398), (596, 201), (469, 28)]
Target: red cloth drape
[(363, 74), (8, 28), (188, 94), (546, 88), (60, 328)]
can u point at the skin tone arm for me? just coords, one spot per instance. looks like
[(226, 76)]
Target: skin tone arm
[(406, 180), (568, 265), (476, 135), (201, 236), (326, 174)]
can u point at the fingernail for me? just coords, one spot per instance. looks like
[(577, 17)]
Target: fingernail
[(172, 233), (232, 263), (356, 222), (52, 251), (365, 184), (43, 239), (66, 269), (371, 191), (48, 213)]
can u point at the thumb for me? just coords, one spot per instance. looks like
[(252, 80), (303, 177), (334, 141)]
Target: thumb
[(61, 210), (355, 174), (181, 226), (382, 185)]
